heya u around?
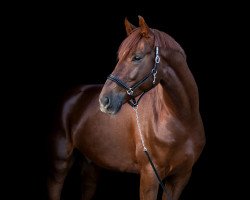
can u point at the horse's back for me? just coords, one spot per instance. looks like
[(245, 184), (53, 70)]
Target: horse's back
[(78, 100)]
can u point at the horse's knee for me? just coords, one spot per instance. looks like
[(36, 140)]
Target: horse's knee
[(90, 175), (60, 160), (60, 147)]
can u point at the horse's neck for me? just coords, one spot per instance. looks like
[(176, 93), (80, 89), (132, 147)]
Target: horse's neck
[(178, 90)]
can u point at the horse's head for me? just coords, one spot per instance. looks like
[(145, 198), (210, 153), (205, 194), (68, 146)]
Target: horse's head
[(135, 72)]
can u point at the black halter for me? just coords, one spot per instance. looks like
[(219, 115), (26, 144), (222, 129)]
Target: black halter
[(130, 90)]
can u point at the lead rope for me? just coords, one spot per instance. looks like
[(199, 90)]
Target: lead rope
[(135, 108)]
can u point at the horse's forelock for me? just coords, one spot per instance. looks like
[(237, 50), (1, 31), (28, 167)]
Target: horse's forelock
[(129, 43)]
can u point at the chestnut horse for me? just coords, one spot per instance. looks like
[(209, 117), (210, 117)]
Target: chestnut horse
[(164, 121)]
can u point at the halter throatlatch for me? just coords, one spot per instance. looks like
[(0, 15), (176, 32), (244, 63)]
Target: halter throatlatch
[(130, 90)]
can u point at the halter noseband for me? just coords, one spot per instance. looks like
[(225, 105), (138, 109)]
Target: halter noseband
[(130, 90)]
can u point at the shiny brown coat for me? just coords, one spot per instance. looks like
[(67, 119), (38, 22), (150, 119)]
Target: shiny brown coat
[(97, 120)]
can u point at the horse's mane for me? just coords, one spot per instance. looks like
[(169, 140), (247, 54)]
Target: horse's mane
[(162, 39)]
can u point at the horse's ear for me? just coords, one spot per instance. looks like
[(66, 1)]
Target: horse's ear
[(129, 27), (144, 27)]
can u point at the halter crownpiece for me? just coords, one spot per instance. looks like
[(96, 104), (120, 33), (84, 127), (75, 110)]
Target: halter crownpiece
[(130, 90)]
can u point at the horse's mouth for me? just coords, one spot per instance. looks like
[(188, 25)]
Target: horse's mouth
[(112, 110), (111, 104), (107, 111)]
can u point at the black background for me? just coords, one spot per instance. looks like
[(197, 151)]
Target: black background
[(58, 47)]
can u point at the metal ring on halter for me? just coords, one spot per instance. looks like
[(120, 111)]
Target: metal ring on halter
[(157, 59), (130, 91)]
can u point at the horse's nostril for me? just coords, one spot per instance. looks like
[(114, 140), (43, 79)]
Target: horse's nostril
[(105, 101)]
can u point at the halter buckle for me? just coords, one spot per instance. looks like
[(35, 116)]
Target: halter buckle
[(157, 59)]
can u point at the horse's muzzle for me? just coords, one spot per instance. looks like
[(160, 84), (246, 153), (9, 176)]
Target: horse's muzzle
[(110, 104)]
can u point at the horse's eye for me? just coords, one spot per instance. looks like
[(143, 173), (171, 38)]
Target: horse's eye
[(136, 58)]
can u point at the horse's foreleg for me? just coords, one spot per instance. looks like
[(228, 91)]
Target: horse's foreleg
[(60, 161), (148, 184), (176, 185), (90, 175)]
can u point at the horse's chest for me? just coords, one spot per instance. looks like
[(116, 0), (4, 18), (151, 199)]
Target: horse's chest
[(172, 146), (178, 156)]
